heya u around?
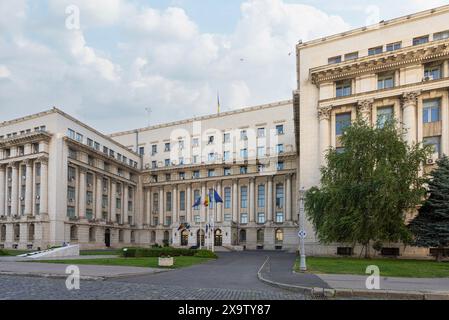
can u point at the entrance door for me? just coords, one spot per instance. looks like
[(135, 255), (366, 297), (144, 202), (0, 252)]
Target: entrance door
[(107, 238), (185, 238), (218, 240)]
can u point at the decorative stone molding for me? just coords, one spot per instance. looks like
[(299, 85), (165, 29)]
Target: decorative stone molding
[(28, 162), (43, 159), (324, 113), (365, 106), (13, 164), (379, 63), (410, 98)]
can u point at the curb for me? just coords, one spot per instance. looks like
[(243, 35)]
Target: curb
[(355, 293), (49, 275)]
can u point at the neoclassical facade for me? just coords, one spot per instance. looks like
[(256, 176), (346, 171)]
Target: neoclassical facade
[(398, 68), (63, 181)]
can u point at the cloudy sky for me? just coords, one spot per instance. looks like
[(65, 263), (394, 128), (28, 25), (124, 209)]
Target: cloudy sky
[(168, 55)]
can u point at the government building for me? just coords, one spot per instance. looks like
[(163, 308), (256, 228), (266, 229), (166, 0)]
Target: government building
[(63, 181)]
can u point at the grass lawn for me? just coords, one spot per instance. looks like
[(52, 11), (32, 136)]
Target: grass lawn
[(152, 262), (388, 267), (13, 252)]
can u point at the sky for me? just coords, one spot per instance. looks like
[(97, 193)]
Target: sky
[(108, 62)]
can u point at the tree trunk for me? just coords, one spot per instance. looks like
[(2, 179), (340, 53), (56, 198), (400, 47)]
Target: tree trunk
[(439, 256), (367, 252)]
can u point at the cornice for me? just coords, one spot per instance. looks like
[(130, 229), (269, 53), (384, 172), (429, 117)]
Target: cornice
[(383, 62), (21, 139)]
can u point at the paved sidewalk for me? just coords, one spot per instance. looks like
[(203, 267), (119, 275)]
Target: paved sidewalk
[(278, 270), (86, 271)]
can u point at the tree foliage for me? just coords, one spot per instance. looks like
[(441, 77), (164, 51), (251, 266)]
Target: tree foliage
[(431, 225), (367, 188)]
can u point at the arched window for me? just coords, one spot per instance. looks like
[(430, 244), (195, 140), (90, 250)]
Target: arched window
[(260, 236), (218, 238), (279, 237), (31, 232), (92, 234), (3, 233), (73, 233), (242, 235), (200, 238)]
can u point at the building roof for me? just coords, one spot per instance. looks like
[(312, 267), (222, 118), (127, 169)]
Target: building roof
[(206, 117), (69, 117), (380, 25)]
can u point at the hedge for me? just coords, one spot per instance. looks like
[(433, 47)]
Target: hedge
[(157, 252), (205, 254), (4, 252)]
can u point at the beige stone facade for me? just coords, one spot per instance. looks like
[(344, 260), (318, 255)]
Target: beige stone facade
[(62, 181), (398, 68)]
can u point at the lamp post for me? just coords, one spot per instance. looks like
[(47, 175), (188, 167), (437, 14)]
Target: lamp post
[(302, 232)]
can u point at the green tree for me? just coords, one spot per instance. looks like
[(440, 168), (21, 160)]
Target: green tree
[(367, 187), (431, 226)]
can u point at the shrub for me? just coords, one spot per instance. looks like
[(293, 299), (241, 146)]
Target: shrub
[(157, 252), (205, 254), (3, 252)]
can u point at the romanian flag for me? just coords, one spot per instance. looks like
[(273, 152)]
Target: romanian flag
[(206, 202)]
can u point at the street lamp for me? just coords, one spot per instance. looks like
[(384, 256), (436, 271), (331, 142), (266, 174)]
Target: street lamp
[(302, 231)]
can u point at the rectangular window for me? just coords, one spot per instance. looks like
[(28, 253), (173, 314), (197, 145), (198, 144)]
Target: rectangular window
[(227, 217), (351, 56), (196, 174), (243, 170), (243, 135), (385, 81), (71, 212), (154, 164), (244, 153), (261, 217), (211, 173), (71, 134), (243, 218), (182, 200), (280, 148), (90, 142), (260, 132), (118, 203), (376, 50), (227, 138), (79, 137), (71, 174), (435, 142), (155, 202), (168, 201), (280, 165), (342, 121), (431, 111), (71, 195), (420, 40), (260, 152), (280, 196), (280, 129), (384, 115), (334, 60), (167, 162), (197, 219), (432, 72), (141, 151), (168, 221), (227, 171), (244, 197), (167, 147), (211, 157), (261, 196), (441, 35), (343, 88), (226, 155), (279, 217), (227, 198), (195, 142), (211, 140), (153, 149), (104, 202), (394, 46)]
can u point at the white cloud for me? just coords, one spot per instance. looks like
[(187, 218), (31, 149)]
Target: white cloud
[(4, 72), (147, 57)]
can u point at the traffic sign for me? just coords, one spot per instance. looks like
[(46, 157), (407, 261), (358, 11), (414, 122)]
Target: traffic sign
[(302, 234)]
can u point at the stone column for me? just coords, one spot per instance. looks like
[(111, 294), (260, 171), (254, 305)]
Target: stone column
[(82, 193), (161, 207), (189, 203), (203, 198), (288, 197), (175, 213), (324, 115), (44, 185), (99, 198), (270, 199), (219, 217), (2, 190), (148, 207), (14, 189), (125, 203), (28, 187), (252, 200), (364, 109), (113, 200), (235, 200), (409, 106)]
